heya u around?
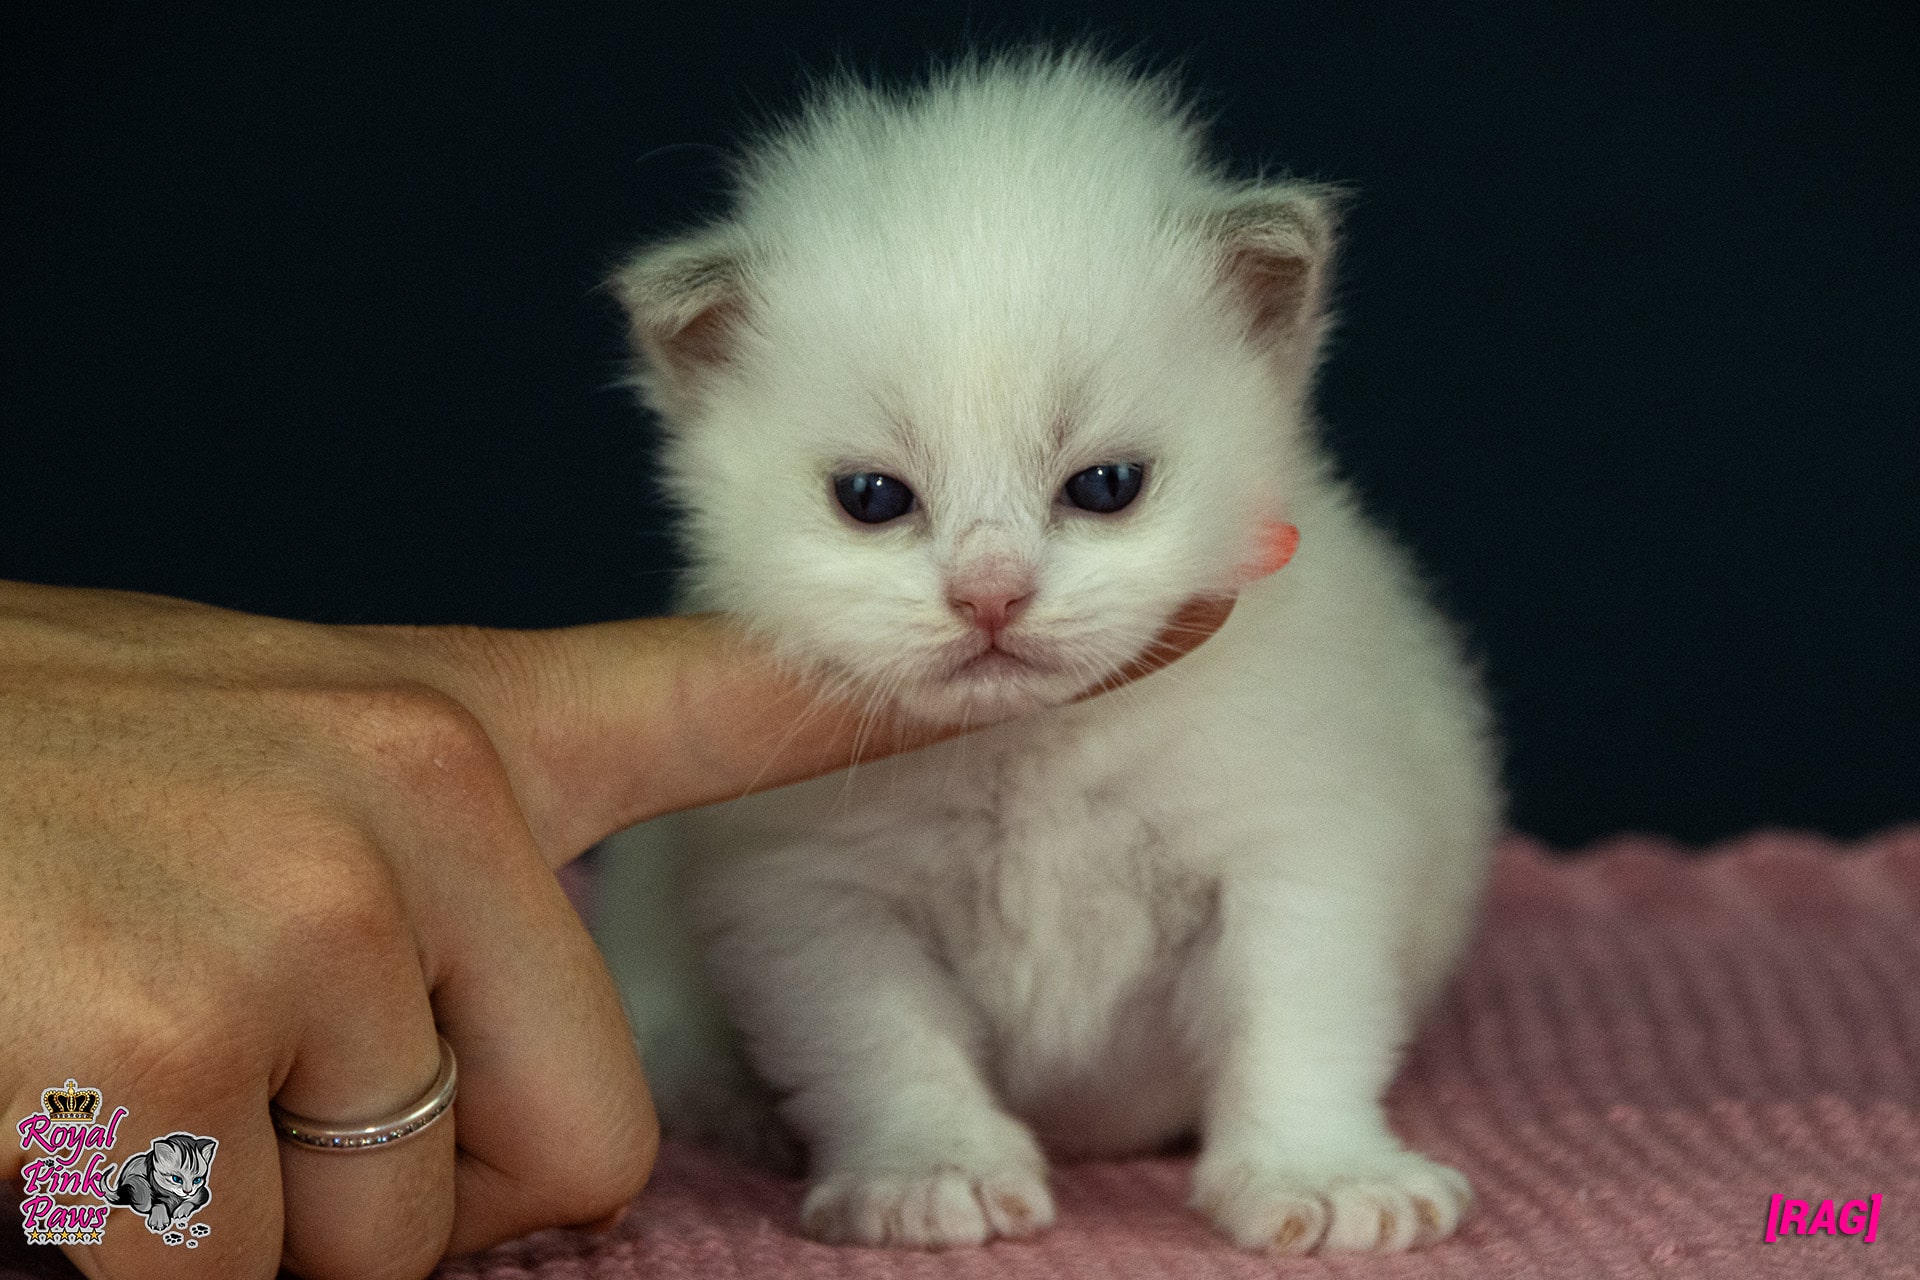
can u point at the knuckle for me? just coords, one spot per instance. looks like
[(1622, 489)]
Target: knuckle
[(339, 899), (411, 731)]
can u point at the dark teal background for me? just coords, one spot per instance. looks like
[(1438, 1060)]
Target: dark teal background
[(298, 315)]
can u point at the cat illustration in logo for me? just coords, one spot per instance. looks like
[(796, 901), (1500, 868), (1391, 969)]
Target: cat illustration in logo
[(167, 1182)]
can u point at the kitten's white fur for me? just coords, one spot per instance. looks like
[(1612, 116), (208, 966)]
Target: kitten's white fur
[(1212, 902)]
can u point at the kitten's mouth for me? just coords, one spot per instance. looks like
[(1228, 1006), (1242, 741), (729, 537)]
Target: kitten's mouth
[(999, 660), (978, 678)]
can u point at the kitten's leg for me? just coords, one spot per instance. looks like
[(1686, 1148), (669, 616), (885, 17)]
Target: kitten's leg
[(702, 1087), (872, 1047), (1300, 1007)]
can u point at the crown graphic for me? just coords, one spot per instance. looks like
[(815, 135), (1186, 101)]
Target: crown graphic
[(71, 1103)]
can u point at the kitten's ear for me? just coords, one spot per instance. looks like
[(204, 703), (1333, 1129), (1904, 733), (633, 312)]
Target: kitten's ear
[(685, 302), (1276, 242)]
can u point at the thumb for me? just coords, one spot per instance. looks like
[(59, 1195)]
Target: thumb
[(606, 725)]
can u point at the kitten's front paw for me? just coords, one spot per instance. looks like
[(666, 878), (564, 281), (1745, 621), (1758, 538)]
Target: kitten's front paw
[(1383, 1204), (941, 1206)]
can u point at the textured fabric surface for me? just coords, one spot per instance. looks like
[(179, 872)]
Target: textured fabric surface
[(1641, 1050)]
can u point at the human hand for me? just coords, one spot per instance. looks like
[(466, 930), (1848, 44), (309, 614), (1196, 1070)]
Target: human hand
[(245, 859)]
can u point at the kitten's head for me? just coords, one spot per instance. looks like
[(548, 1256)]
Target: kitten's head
[(180, 1162), (976, 387)]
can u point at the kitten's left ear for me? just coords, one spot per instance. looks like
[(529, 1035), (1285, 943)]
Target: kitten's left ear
[(1276, 256)]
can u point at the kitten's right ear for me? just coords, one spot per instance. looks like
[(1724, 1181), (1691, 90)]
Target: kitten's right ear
[(685, 303)]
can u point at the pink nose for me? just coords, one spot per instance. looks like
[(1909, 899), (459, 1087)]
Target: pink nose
[(990, 606)]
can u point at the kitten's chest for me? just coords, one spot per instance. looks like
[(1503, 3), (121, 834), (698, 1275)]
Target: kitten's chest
[(1056, 897)]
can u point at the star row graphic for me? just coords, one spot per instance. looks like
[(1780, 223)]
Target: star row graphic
[(64, 1237)]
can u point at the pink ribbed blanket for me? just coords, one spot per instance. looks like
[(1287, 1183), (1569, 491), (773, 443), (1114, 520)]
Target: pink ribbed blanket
[(1641, 1051)]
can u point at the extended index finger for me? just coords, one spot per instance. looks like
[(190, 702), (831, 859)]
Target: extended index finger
[(606, 725)]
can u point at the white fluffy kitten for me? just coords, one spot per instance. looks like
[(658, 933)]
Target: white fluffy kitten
[(1211, 903)]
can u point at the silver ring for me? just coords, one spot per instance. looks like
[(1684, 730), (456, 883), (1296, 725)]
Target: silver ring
[(322, 1136)]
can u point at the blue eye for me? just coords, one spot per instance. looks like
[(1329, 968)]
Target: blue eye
[(873, 498), (1106, 488)]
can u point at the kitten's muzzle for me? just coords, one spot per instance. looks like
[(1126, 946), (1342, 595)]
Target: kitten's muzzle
[(990, 579), (991, 606)]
